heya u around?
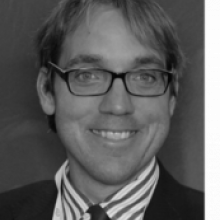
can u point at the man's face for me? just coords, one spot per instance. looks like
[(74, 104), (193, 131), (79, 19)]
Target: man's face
[(109, 138)]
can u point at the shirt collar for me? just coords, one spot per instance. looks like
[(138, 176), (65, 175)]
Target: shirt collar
[(127, 203)]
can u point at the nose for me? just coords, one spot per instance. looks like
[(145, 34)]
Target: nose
[(117, 101)]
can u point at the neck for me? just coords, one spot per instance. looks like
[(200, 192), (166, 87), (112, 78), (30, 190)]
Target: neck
[(93, 189)]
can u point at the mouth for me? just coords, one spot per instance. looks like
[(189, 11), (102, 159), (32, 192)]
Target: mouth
[(114, 135)]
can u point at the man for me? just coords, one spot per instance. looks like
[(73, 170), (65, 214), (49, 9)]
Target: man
[(108, 83)]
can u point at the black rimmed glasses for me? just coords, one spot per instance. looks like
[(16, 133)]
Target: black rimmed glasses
[(95, 81)]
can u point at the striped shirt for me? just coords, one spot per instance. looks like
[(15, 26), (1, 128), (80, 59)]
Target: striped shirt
[(128, 203)]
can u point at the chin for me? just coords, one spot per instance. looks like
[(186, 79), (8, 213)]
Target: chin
[(113, 174), (113, 179)]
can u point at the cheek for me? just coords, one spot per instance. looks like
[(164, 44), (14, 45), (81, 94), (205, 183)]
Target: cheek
[(72, 113), (155, 116), (69, 107), (73, 116), (153, 110)]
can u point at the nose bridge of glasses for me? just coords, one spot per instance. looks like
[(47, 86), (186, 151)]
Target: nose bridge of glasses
[(118, 76)]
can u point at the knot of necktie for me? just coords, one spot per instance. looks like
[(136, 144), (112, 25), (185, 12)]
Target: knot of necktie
[(97, 213)]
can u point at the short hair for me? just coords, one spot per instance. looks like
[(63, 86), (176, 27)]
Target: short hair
[(144, 17)]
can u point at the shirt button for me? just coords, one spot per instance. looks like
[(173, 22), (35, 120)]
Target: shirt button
[(57, 212), (86, 216)]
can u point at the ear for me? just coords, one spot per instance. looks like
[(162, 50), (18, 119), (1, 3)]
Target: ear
[(172, 104), (47, 100)]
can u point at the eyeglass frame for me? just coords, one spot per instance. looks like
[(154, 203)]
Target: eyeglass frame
[(64, 74)]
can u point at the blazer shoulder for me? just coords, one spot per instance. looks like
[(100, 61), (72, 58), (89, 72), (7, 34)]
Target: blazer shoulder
[(193, 203), (187, 201), (13, 201)]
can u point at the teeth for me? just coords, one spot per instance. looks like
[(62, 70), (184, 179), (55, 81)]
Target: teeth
[(113, 135)]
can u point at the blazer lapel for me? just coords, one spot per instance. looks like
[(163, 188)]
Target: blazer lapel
[(161, 209), (46, 213), (162, 206), (41, 205)]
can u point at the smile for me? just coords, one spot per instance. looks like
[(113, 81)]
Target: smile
[(114, 135)]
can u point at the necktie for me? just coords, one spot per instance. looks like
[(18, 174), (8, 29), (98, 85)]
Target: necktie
[(97, 213)]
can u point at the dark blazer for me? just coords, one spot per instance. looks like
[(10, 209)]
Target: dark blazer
[(171, 201)]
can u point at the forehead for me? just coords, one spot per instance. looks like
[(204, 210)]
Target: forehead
[(105, 34)]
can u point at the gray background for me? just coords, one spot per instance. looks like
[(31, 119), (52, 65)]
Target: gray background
[(29, 153)]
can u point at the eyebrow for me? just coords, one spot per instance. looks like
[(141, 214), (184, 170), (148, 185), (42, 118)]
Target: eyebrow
[(85, 59), (148, 60)]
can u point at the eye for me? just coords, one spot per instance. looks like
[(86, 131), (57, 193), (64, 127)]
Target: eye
[(146, 77), (85, 76)]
